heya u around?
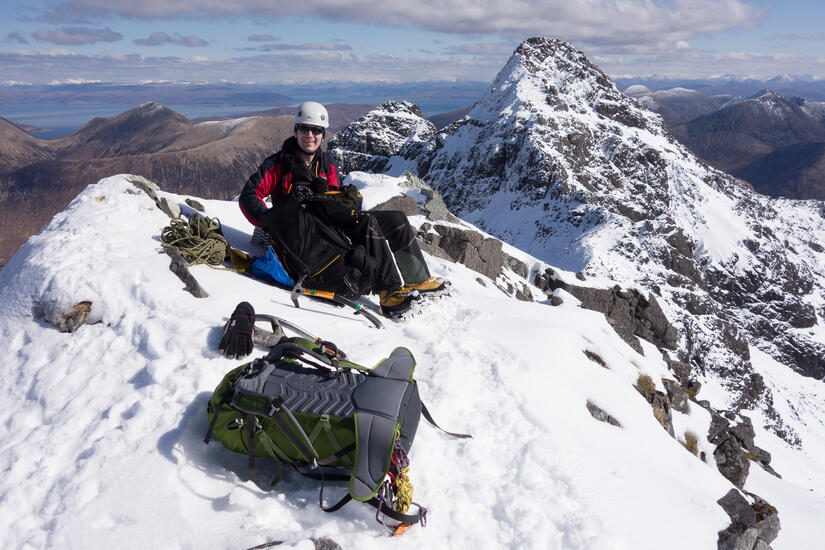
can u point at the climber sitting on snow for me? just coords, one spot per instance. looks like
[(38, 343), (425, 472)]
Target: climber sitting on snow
[(321, 235)]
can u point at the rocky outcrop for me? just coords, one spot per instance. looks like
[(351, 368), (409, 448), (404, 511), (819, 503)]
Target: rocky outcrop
[(602, 416), (753, 525), (733, 436), (659, 402), (371, 140), (479, 253), (630, 313), (444, 237)]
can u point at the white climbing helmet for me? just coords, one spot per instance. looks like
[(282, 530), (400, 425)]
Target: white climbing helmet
[(312, 113)]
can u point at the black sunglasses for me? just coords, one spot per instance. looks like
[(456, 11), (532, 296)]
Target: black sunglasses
[(316, 130)]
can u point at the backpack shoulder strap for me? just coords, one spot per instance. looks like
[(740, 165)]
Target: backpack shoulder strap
[(377, 407)]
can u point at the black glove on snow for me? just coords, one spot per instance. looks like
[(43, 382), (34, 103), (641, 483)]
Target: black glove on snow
[(237, 334), (302, 193), (320, 185)]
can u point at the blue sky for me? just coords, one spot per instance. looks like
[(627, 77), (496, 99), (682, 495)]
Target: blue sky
[(272, 41)]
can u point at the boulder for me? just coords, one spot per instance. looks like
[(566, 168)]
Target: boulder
[(731, 460), (753, 526), (601, 416), (470, 248)]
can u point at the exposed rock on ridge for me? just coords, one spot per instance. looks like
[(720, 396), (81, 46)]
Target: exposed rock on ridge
[(371, 140)]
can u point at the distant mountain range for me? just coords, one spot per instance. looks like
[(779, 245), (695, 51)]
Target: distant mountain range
[(787, 85), (773, 142), (776, 143), (210, 158)]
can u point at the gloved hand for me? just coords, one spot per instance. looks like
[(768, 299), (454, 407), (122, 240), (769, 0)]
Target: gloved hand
[(237, 334), (320, 185), (302, 193), (269, 218)]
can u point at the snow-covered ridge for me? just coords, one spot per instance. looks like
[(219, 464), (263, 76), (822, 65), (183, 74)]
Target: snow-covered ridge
[(103, 428), (227, 125), (374, 138), (556, 161)]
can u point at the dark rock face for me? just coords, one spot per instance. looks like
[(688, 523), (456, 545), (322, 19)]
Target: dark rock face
[(628, 311), (735, 447), (602, 416), (753, 526), (479, 253), (368, 143), (731, 460), (405, 204), (677, 395), (659, 402), (325, 543)]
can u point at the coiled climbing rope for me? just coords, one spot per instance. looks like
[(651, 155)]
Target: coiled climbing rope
[(403, 491), (199, 240), (399, 474)]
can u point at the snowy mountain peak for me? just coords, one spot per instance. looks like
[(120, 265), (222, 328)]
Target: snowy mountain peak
[(556, 161), (546, 74), (371, 140)]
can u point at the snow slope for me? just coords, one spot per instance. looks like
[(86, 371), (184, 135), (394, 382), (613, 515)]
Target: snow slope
[(102, 429)]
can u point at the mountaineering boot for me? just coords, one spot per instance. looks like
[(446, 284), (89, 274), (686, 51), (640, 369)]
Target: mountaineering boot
[(430, 288), (395, 303)]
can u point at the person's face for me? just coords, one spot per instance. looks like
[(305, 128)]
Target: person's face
[(309, 137)]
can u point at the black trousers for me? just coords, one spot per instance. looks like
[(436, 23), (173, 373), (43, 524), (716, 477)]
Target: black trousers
[(393, 257)]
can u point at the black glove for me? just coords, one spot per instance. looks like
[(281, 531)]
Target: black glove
[(302, 193), (237, 334), (270, 217), (320, 185)]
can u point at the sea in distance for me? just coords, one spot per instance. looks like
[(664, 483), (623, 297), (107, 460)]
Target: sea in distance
[(58, 120)]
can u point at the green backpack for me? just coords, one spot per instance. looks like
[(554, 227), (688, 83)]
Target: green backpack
[(305, 404)]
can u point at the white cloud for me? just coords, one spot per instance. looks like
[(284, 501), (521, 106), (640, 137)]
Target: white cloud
[(76, 36), (73, 81), (498, 49), (590, 21), (294, 65), (701, 64), (161, 38)]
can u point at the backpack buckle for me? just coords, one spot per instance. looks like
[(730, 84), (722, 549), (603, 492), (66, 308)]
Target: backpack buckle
[(275, 406)]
